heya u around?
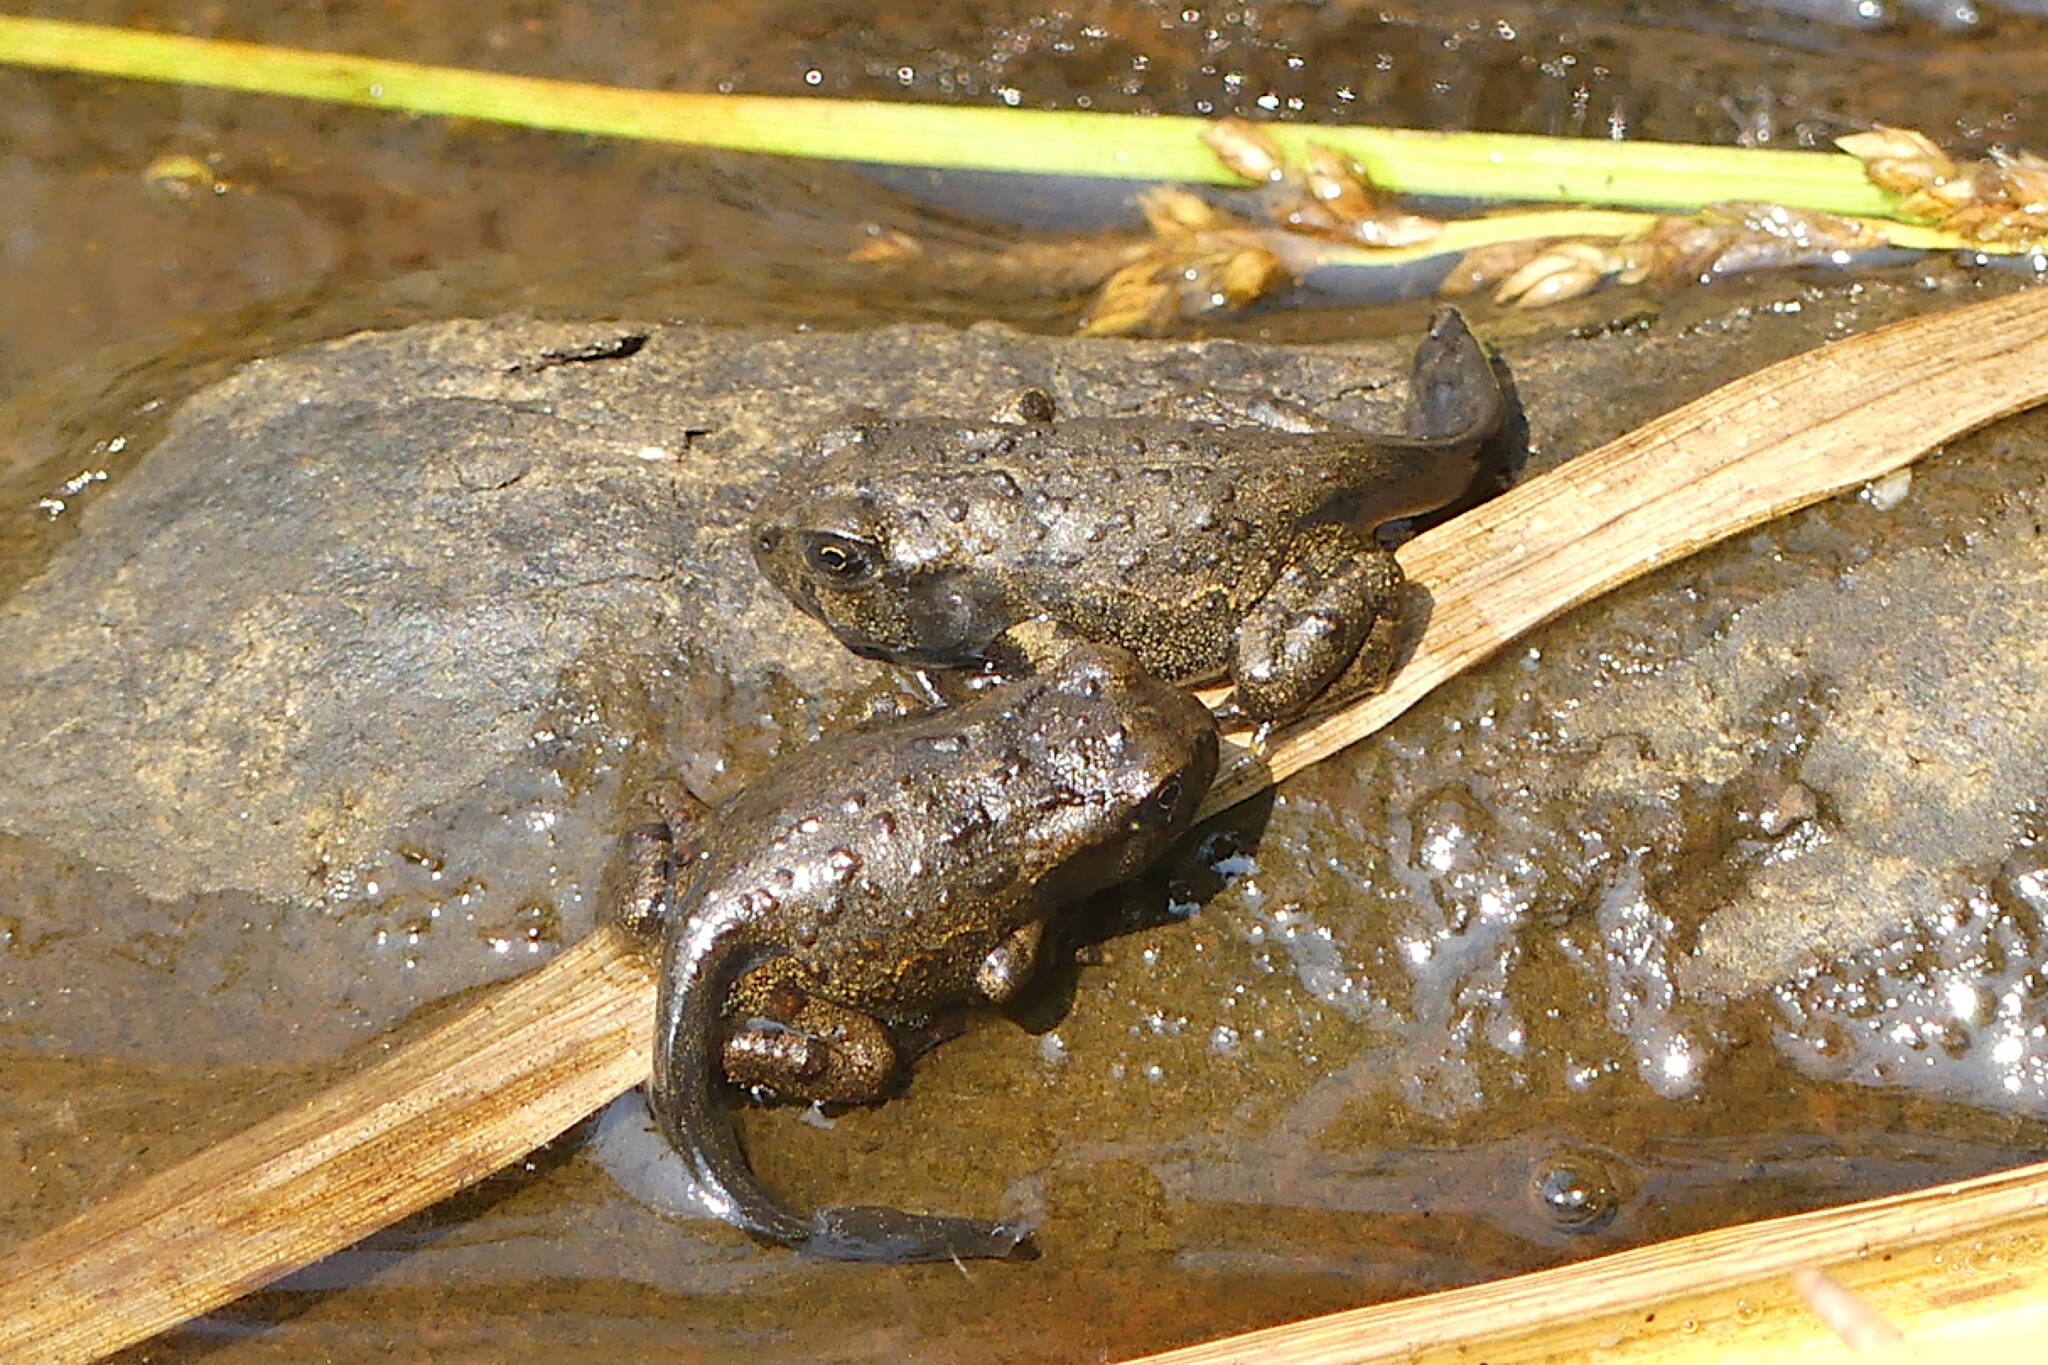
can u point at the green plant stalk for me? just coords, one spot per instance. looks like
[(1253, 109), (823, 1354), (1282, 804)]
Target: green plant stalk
[(1138, 147)]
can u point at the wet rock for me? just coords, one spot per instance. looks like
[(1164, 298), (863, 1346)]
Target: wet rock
[(366, 580), (1771, 813), (1730, 875), (367, 653), (382, 630), (338, 695)]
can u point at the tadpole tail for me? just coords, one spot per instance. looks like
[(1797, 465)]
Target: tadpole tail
[(859, 1233), (699, 966), (687, 1098), (1454, 396), (1456, 406)]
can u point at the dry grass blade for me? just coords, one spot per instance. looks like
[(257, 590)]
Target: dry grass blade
[(1798, 432), (538, 1053), (1717, 1297)]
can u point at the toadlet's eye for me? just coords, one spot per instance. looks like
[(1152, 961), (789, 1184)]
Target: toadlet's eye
[(840, 558), (1158, 809)]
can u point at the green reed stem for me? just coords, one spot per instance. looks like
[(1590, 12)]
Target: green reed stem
[(1130, 146)]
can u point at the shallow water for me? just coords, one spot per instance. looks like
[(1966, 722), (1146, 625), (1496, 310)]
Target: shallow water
[(1437, 1012)]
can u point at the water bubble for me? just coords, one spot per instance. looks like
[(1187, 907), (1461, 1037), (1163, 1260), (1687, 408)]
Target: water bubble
[(1577, 1189)]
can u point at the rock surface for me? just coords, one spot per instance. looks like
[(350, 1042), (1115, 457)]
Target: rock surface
[(373, 637), (332, 705)]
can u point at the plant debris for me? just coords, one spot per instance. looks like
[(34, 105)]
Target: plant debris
[(2000, 199), (1199, 258), (1722, 239), (1329, 195)]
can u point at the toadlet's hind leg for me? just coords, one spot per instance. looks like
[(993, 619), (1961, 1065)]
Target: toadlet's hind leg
[(1339, 594), (786, 1040)]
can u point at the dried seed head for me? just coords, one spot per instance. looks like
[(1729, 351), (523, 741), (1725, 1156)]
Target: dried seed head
[(1899, 159), (1246, 149), (1299, 213), (2003, 198), (1485, 265), (888, 247), (1565, 270), (1338, 183), (1634, 261), (1184, 277), (1888, 143), (1171, 210), (1803, 229), (1561, 283), (1130, 301), (2023, 178), (1221, 281), (1251, 273), (1395, 230)]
